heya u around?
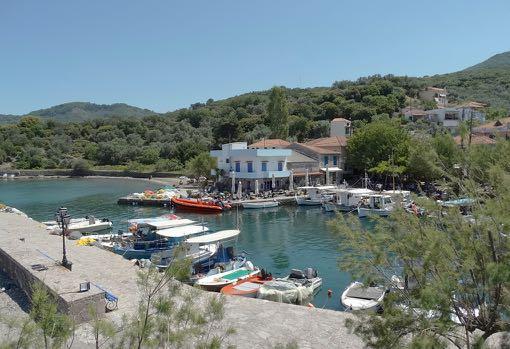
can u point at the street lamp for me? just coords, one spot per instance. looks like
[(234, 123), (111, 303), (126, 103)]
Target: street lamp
[(63, 219)]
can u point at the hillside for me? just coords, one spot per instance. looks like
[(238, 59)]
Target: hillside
[(82, 111), (488, 82)]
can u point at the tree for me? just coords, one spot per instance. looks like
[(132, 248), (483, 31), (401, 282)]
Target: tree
[(376, 142), (81, 167), (455, 271), (423, 162), (201, 165), (277, 113)]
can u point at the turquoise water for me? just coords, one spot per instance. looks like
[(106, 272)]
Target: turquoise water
[(276, 239)]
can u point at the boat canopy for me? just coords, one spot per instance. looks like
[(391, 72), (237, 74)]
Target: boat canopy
[(459, 202), (320, 187), (215, 237), (354, 190), (158, 223), (179, 232)]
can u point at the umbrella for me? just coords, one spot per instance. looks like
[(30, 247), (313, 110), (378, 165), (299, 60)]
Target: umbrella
[(239, 190), (233, 176), (256, 187), (306, 178), (327, 174), (291, 181), (273, 183)]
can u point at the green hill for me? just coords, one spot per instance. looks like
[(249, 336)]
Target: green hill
[(82, 111), (487, 82)]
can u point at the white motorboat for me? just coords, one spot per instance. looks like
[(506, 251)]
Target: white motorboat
[(88, 226), (216, 282), (72, 221), (260, 204), (346, 199), (375, 204), (315, 196), (358, 297), (308, 278), (198, 248)]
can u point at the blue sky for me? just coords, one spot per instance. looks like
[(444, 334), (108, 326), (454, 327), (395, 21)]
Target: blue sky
[(165, 55)]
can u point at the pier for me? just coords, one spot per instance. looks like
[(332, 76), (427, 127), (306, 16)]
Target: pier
[(258, 323), (131, 200)]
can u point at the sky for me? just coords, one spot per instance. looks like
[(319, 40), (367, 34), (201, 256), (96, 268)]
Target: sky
[(164, 55)]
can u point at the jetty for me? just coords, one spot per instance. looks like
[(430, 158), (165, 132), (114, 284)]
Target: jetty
[(25, 242), (137, 201)]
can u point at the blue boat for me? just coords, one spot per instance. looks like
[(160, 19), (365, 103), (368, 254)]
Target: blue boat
[(157, 241)]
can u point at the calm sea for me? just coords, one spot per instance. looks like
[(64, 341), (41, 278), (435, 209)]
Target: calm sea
[(276, 239)]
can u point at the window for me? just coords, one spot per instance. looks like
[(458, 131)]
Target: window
[(227, 160), (250, 166), (238, 166), (280, 165), (264, 166), (326, 160), (335, 160)]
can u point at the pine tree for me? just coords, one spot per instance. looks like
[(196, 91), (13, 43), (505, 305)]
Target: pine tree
[(278, 113)]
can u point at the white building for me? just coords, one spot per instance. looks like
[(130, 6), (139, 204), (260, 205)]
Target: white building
[(248, 165), (451, 117)]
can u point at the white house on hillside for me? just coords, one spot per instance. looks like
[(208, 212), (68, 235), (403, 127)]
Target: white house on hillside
[(248, 165)]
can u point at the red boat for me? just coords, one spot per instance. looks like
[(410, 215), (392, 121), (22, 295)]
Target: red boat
[(247, 287), (199, 205)]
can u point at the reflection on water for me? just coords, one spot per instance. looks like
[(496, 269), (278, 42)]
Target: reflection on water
[(276, 239)]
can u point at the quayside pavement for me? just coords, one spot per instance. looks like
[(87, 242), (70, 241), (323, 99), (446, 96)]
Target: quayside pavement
[(25, 242)]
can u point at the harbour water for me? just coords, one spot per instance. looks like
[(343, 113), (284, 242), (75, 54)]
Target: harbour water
[(276, 239)]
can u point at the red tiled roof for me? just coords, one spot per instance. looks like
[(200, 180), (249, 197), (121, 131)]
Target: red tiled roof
[(337, 141), (475, 139), (340, 119), (319, 150), (270, 143)]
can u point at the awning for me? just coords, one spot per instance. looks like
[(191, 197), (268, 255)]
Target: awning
[(215, 237), (160, 223), (180, 232), (331, 169)]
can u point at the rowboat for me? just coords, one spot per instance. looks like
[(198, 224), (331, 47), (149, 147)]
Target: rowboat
[(358, 297), (248, 287), (262, 204), (199, 205), (217, 281)]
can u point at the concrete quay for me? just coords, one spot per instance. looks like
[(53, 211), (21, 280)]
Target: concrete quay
[(258, 323)]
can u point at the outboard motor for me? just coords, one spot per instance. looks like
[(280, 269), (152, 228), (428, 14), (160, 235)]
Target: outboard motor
[(297, 274), (310, 273), (230, 252)]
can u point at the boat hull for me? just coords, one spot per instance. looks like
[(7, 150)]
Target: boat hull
[(216, 282), (365, 212), (245, 288), (196, 206), (260, 205)]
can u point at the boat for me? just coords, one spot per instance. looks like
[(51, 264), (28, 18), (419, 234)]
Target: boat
[(401, 196), (346, 199), (260, 204), (308, 277), (315, 196), (248, 287), (72, 221), (217, 281), (90, 225), (285, 291), (156, 241), (199, 205), (375, 204), (158, 223), (200, 249), (358, 297)]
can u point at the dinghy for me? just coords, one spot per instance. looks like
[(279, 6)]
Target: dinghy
[(358, 297), (217, 281), (263, 204), (248, 287)]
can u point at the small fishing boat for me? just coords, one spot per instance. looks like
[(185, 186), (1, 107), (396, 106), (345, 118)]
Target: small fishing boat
[(216, 282), (199, 205), (90, 225), (315, 196), (358, 297), (157, 241), (375, 204), (346, 199), (248, 287), (309, 278), (260, 204)]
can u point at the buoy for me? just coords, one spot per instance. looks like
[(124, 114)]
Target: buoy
[(330, 293)]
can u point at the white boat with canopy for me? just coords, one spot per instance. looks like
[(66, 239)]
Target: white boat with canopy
[(315, 196), (346, 199), (160, 223), (260, 204), (375, 204)]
